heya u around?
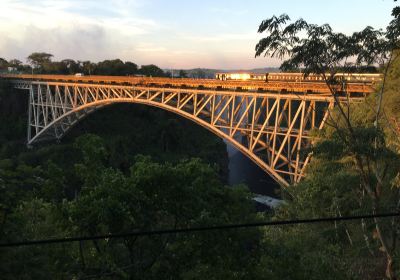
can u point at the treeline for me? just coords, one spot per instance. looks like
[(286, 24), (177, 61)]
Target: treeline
[(42, 63)]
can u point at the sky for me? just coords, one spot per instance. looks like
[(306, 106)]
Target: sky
[(169, 33)]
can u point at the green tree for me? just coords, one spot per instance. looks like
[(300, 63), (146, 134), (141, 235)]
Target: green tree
[(151, 71), (88, 67), (350, 138), (130, 68), (110, 67), (39, 60), (3, 64), (34, 219), (70, 66), (154, 196), (17, 64)]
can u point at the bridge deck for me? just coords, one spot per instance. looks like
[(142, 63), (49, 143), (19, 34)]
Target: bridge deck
[(249, 85), (268, 122)]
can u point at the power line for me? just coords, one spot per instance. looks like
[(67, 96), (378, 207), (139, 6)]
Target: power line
[(195, 229)]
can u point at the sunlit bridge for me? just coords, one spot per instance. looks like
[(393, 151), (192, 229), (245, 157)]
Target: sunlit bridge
[(268, 121)]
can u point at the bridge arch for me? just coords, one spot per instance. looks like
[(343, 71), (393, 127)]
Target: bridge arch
[(270, 129), (92, 107)]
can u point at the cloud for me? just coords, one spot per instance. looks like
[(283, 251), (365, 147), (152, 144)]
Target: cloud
[(58, 27), (98, 30), (77, 43), (62, 14)]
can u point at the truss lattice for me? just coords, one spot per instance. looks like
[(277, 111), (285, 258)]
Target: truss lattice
[(272, 129)]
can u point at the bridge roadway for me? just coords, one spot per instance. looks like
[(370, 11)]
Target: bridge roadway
[(252, 85), (268, 122)]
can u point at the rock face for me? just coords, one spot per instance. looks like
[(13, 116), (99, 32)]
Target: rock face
[(268, 201)]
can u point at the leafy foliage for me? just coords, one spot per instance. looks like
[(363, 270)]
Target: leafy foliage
[(319, 50), (356, 158)]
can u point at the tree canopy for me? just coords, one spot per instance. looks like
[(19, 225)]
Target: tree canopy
[(39, 60), (318, 49), (355, 159), (151, 71)]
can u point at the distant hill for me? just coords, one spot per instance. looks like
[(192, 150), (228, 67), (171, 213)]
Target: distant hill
[(254, 70)]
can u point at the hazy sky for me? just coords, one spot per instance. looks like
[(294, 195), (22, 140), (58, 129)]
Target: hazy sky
[(169, 33)]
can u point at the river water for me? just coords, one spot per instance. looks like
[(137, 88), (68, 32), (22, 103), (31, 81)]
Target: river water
[(243, 170)]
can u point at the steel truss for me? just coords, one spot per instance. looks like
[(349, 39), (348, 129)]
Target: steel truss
[(272, 129)]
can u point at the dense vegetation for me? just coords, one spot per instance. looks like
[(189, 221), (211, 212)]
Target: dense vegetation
[(130, 168), (332, 188), (356, 158), (122, 169), (43, 63)]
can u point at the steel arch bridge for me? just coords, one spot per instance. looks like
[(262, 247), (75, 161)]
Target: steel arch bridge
[(271, 128)]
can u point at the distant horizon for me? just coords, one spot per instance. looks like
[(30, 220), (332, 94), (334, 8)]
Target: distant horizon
[(173, 34), (165, 69), (24, 61)]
